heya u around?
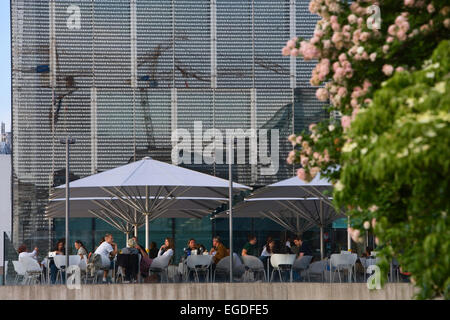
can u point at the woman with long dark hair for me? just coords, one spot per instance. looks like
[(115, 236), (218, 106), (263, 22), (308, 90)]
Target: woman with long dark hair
[(60, 249), (167, 249)]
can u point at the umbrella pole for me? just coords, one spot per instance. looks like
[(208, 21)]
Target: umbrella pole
[(321, 230), (146, 232), (349, 239), (147, 239), (135, 230), (230, 196), (321, 243)]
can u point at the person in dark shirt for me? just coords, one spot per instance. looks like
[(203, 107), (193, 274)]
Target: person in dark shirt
[(153, 250), (250, 247), (301, 248), (191, 245)]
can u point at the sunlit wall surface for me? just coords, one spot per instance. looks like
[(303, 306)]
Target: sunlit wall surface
[(121, 75)]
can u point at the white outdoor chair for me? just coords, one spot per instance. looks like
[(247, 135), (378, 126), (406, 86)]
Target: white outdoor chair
[(341, 262), (60, 263), (253, 266), (280, 261), (33, 271), (317, 268), (198, 263), (19, 268), (346, 252), (302, 264), (223, 267), (160, 265)]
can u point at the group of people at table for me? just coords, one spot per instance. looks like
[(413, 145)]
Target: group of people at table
[(107, 250)]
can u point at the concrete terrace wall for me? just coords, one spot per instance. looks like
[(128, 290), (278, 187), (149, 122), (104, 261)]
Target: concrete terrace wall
[(207, 291)]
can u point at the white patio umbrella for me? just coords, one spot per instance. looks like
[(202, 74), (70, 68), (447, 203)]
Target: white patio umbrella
[(123, 217), (292, 203), (151, 188)]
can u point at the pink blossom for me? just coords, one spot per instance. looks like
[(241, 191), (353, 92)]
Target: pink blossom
[(364, 36), (385, 48), (447, 23), (392, 29), (355, 112), (425, 28), (309, 51), (314, 171), (342, 91), (286, 51), (409, 3), (291, 44), (401, 35), (400, 69), (312, 127), (301, 174), (342, 57), (345, 122), (351, 19), (294, 52), (388, 69), (291, 138), (430, 8), (389, 39), (298, 140), (322, 94), (326, 44), (314, 7)]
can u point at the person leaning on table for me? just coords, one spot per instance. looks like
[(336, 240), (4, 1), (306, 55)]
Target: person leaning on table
[(250, 248), (218, 250)]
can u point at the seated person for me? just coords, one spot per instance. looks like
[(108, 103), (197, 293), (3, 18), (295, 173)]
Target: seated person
[(301, 248), (167, 249), (81, 249), (250, 247), (191, 245), (153, 250), (60, 249), (131, 247), (23, 252), (218, 250), (268, 249), (128, 260), (107, 250), (201, 249)]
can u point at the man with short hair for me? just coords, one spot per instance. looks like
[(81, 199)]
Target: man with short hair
[(250, 248), (218, 250), (107, 250), (301, 248)]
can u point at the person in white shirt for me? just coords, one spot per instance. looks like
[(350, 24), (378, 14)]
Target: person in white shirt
[(268, 248), (167, 248), (107, 250), (23, 252)]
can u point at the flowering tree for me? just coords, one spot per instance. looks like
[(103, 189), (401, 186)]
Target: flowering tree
[(356, 55)]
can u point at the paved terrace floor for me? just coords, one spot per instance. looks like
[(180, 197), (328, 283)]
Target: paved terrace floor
[(207, 291)]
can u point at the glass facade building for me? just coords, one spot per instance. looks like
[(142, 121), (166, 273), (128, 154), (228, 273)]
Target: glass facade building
[(121, 76)]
